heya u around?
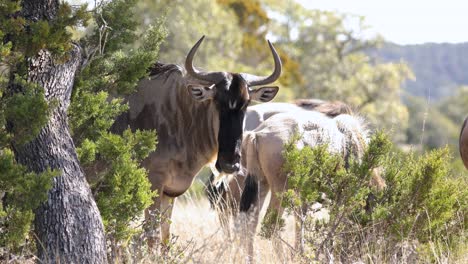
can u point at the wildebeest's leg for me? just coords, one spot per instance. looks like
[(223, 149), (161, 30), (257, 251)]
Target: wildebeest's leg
[(167, 204), (276, 210), (251, 213), (153, 222), (158, 220)]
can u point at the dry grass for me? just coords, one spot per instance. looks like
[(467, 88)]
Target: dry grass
[(196, 226), (199, 238)]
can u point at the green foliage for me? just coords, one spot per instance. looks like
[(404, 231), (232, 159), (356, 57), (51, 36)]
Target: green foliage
[(112, 163), (24, 110), (329, 56), (24, 126), (24, 191), (313, 171), (111, 69), (421, 201), (187, 22), (309, 168), (122, 189), (271, 224), (27, 37), (92, 114)]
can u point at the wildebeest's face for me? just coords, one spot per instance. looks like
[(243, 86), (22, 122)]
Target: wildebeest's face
[(232, 93)]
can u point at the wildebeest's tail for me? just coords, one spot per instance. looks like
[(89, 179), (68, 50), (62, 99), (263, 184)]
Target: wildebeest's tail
[(251, 164), (250, 193)]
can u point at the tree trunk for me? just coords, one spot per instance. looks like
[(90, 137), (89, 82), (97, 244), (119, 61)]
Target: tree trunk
[(68, 226)]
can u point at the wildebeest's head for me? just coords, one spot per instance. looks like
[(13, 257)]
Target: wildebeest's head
[(232, 93)]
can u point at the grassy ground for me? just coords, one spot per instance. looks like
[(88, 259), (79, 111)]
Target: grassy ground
[(200, 239), (196, 228)]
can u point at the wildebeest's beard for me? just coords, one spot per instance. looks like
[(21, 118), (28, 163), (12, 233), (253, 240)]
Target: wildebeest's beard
[(229, 139)]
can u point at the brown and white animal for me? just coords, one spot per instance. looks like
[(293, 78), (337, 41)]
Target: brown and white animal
[(463, 143), (198, 116), (262, 156), (224, 193)]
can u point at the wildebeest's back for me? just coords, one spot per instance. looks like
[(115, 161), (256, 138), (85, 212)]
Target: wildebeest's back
[(268, 140), (141, 113)]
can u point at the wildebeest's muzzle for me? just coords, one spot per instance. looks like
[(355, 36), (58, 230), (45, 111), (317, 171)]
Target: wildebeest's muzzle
[(230, 140)]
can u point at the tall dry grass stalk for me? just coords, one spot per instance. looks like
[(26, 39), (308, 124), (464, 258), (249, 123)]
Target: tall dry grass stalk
[(196, 224)]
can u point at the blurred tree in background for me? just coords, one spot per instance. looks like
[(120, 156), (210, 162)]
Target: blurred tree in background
[(333, 65), (188, 21), (253, 21)]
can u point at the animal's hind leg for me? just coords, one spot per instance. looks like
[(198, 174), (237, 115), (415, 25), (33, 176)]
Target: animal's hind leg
[(275, 213), (250, 217)]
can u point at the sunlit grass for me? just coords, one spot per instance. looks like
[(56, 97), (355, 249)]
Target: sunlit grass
[(195, 223)]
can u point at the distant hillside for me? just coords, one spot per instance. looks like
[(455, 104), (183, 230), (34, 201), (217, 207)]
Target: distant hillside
[(439, 68)]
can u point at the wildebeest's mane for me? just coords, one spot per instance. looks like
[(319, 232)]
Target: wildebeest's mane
[(159, 68)]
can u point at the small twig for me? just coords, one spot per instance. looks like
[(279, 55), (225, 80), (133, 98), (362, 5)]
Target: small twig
[(287, 244)]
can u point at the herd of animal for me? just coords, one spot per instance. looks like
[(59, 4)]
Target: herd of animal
[(204, 118)]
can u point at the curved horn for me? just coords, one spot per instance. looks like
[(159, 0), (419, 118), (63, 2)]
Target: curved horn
[(254, 80), (212, 77)]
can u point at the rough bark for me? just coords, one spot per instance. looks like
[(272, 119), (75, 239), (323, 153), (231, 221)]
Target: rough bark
[(68, 226)]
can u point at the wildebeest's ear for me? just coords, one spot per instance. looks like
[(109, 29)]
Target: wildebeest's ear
[(264, 94), (201, 93)]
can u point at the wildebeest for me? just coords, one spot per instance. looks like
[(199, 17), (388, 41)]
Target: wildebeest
[(463, 143), (224, 194), (198, 116), (262, 157)]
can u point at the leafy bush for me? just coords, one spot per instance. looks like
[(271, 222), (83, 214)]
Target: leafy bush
[(122, 189), (21, 192), (112, 162), (111, 68), (422, 203)]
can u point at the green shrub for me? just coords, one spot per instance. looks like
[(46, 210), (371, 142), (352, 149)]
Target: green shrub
[(21, 192), (422, 202), (111, 68), (112, 162)]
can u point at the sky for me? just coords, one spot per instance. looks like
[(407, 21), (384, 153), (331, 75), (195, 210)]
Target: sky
[(406, 21)]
